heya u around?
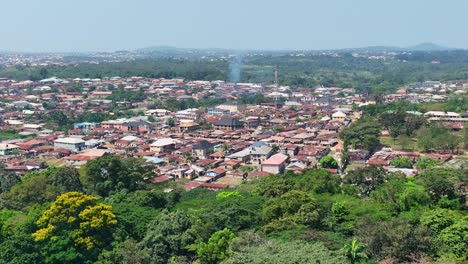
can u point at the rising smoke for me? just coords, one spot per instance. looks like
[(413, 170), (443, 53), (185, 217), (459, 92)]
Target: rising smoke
[(235, 69)]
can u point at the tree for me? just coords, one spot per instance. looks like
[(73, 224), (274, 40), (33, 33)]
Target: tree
[(188, 158), (367, 179), (355, 251), (74, 227), (7, 180), (363, 133), (109, 174), (454, 240), (396, 238), (402, 162), (413, 195), (318, 181), (67, 179), (126, 252), (425, 163), (287, 252), (295, 205), (441, 182), (170, 122), (168, 236), (225, 148), (217, 248), (438, 219), (328, 162), (437, 137)]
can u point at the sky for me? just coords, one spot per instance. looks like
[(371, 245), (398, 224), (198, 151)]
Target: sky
[(109, 25)]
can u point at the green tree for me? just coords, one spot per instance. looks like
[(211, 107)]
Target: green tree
[(454, 240), (287, 252), (170, 122), (441, 182), (367, 179), (363, 134), (67, 179), (109, 174), (217, 248), (167, 236), (425, 163), (328, 162), (402, 162)]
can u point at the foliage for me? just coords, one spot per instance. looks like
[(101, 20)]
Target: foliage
[(441, 182), (328, 162), (217, 248), (437, 137), (402, 162), (423, 163), (74, 227), (167, 236), (355, 251), (367, 179), (109, 174), (277, 251), (363, 133)]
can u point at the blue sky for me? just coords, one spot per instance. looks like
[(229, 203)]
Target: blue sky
[(108, 25)]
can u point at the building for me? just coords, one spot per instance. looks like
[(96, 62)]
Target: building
[(232, 107), (338, 116), (275, 164), (164, 145), (73, 144), (203, 149), (228, 123), (218, 111), (8, 149)]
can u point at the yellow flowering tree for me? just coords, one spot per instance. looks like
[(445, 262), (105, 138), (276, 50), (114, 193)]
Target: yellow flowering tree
[(78, 221)]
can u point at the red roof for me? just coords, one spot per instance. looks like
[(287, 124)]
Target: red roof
[(276, 159)]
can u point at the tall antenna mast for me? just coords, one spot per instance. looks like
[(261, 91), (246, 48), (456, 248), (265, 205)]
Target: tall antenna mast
[(276, 86)]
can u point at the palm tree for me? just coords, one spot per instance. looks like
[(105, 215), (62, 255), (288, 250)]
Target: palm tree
[(355, 251), (188, 158), (274, 148), (225, 148)]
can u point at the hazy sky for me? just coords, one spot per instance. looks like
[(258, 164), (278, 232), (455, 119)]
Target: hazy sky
[(108, 25)]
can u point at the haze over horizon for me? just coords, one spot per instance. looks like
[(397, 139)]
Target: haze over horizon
[(105, 25)]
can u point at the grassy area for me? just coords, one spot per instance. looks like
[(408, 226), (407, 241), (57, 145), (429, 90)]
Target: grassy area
[(8, 135), (397, 144)]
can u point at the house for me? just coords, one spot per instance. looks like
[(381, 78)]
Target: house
[(164, 145), (8, 149), (203, 149), (228, 123), (259, 154), (338, 116), (73, 144), (275, 164)]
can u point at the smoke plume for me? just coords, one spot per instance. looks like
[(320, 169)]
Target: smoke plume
[(235, 69)]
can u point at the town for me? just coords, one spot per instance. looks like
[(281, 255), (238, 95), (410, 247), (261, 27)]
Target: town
[(215, 146)]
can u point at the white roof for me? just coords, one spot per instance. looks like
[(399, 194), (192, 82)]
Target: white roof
[(69, 140), (7, 146), (130, 138), (339, 114), (164, 142)]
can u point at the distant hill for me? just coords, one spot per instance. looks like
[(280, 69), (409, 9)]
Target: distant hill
[(428, 46)]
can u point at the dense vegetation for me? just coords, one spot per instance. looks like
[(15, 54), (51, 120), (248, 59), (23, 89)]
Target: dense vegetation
[(310, 69), (107, 213)]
